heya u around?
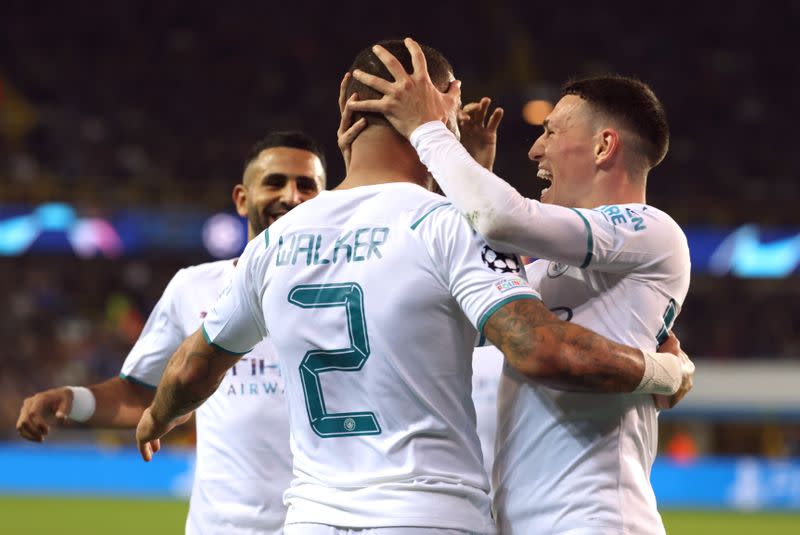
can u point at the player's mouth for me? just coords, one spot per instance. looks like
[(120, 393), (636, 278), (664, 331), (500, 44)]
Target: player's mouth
[(277, 214), (545, 174)]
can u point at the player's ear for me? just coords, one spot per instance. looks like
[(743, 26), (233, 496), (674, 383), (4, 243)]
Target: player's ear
[(240, 199), (607, 146)]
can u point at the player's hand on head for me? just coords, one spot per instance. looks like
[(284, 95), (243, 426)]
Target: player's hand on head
[(41, 410), (673, 345), (479, 130), (348, 130), (411, 99)]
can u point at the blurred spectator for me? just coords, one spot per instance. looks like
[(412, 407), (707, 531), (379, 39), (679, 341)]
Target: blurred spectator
[(139, 102)]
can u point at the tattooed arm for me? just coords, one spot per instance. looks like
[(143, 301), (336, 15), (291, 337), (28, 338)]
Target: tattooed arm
[(562, 355), (193, 373)]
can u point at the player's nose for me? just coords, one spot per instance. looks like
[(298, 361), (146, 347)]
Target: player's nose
[(537, 150), (291, 194)]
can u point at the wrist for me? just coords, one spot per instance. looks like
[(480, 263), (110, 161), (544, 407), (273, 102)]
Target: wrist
[(83, 404), (426, 128), (663, 374)]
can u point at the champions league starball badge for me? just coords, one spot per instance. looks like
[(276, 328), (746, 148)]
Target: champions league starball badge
[(500, 262)]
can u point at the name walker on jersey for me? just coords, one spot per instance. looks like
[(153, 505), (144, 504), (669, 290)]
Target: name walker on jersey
[(356, 245)]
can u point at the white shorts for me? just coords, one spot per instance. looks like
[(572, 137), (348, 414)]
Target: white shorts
[(324, 529)]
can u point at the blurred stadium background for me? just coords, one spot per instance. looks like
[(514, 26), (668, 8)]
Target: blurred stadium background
[(123, 126)]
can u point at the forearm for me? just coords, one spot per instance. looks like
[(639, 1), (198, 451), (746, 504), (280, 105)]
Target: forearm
[(191, 376), (562, 355), (580, 360), (119, 403), (506, 219)]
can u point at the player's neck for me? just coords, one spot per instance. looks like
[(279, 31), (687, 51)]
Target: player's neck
[(379, 155), (616, 189)]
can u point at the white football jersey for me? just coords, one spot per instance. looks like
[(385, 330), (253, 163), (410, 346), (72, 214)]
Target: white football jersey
[(373, 297), (243, 456), (487, 367), (580, 463)]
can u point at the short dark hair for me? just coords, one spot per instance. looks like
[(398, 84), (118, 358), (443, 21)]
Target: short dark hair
[(439, 69), (631, 102), (294, 139)]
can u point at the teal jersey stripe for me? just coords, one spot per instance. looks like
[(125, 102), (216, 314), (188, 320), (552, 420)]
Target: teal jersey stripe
[(418, 221), (590, 239), (497, 306), (135, 381), (482, 341), (219, 347), (266, 237)]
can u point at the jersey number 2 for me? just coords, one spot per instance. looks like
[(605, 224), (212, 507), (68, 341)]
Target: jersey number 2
[(350, 297)]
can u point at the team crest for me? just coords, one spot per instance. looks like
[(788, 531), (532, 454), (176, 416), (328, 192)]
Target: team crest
[(500, 262), (556, 269)]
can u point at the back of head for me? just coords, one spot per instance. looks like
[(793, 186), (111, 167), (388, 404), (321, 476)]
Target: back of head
[(632, 104), (439, 69), (293, 139)]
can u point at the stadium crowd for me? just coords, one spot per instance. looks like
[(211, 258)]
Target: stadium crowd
[(128, 104)]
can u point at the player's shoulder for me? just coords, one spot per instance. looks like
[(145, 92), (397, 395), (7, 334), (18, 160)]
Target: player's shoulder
[(200, 275), (409, 202), (429, 207), (640, 218)]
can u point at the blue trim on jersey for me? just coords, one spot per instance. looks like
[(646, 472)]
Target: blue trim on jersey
[(416, 223), (136, 381), (219, 347), (590, 240), (266, 237), (488, 314)]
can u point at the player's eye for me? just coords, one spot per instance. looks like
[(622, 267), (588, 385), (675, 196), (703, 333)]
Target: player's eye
[(306, 184), (275, 181)]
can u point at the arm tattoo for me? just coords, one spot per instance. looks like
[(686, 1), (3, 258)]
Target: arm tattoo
[(193, 373), (562, 355)]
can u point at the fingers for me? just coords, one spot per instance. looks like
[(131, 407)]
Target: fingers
[(476, 111), (392, 64), (32, 423), (417, 57), (31, 431), (28, 432), (348, 136), (494, 120), (475, 114), (378, 106), (479, 113), (470, 108), (454, 93), (375, 82), (63, 408), (343, 91), (671, 344), (347, 115), (661, 402), (32, 426), (146, 450)]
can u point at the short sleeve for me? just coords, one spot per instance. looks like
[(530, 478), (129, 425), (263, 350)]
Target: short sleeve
[(633, 238), (236, 322), (480, 278), (160, 338)]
